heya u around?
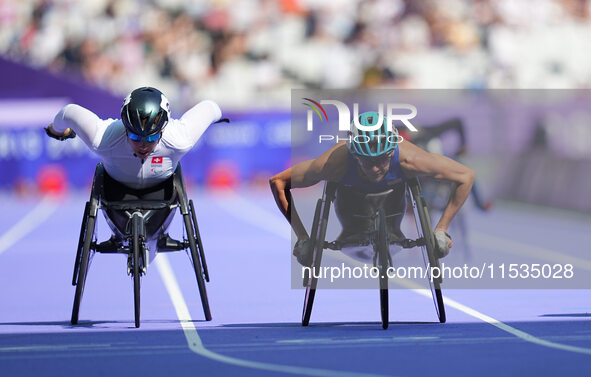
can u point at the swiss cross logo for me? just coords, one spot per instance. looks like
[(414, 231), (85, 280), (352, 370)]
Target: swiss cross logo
[(157, 160)]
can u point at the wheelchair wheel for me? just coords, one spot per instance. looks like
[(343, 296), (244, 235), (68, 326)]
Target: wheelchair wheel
[(313, 232), (80, 242), (318, 233), (82, 270), (199, 242), (197, 267), (137, 249), (429, 257), (383, 264)]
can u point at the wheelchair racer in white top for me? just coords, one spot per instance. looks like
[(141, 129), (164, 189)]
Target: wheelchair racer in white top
[(140, 152), (144, 147)]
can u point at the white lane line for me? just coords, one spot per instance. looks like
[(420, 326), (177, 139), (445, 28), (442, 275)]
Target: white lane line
[(239, 204), (514, 247), (196, 345), (33, 219), (511, 330)]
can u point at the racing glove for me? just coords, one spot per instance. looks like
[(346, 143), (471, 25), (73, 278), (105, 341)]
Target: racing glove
[(441, 243), (69, 135), (304, 252)]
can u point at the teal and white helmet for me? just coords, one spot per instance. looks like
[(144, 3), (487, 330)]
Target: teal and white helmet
[(372, 143)]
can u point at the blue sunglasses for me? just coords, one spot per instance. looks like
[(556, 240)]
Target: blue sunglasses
[(149, 139)]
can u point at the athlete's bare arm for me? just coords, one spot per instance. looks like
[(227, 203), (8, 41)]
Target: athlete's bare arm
[(417, 162), (330, 166)]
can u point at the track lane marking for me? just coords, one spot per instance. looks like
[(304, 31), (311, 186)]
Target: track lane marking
[(196, 345), (511, 330), (239, 201), (37, 216)]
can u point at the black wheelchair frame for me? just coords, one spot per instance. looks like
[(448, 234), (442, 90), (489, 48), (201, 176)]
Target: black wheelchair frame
[(380, 242), (135, 237)]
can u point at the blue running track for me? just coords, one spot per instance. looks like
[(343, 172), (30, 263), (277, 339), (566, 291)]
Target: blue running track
[(256, 327)]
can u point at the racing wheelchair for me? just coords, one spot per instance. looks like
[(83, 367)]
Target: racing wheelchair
[(379, 237), (139, 233)]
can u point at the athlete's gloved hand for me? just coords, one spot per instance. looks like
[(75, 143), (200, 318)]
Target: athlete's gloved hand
[(223, 120), (70, 134), (304, 252), (442, 243)]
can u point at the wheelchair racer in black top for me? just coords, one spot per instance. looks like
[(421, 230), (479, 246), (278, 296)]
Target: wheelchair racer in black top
[(140, 152), (380, 161)]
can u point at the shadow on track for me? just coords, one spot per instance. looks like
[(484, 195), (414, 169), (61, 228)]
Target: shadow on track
[(567, 315), (89, 324), (322, 324)]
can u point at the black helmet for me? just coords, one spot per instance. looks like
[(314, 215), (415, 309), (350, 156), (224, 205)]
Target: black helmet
[(145, 111)]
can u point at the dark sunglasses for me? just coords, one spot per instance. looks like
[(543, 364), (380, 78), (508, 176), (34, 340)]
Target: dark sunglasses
[(375, 160), (149, 139)]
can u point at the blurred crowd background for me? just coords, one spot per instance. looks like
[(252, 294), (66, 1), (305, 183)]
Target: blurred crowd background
[(249, 53)]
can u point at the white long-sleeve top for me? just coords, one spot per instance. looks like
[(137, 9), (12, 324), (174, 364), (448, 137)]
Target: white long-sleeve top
[(107, 138)]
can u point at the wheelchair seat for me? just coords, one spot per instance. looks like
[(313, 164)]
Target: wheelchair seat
[(354, 210), (158, 212), (137, 204)]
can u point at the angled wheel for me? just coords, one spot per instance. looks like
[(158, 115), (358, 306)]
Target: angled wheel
[(311, 281), (197, 266), (384, 307), (428, 249), (308, 303), (439, 302), (318, 235), (82, 267), (80, 242), (383, 264), (199, 242), (314, 232), (137, 250)]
